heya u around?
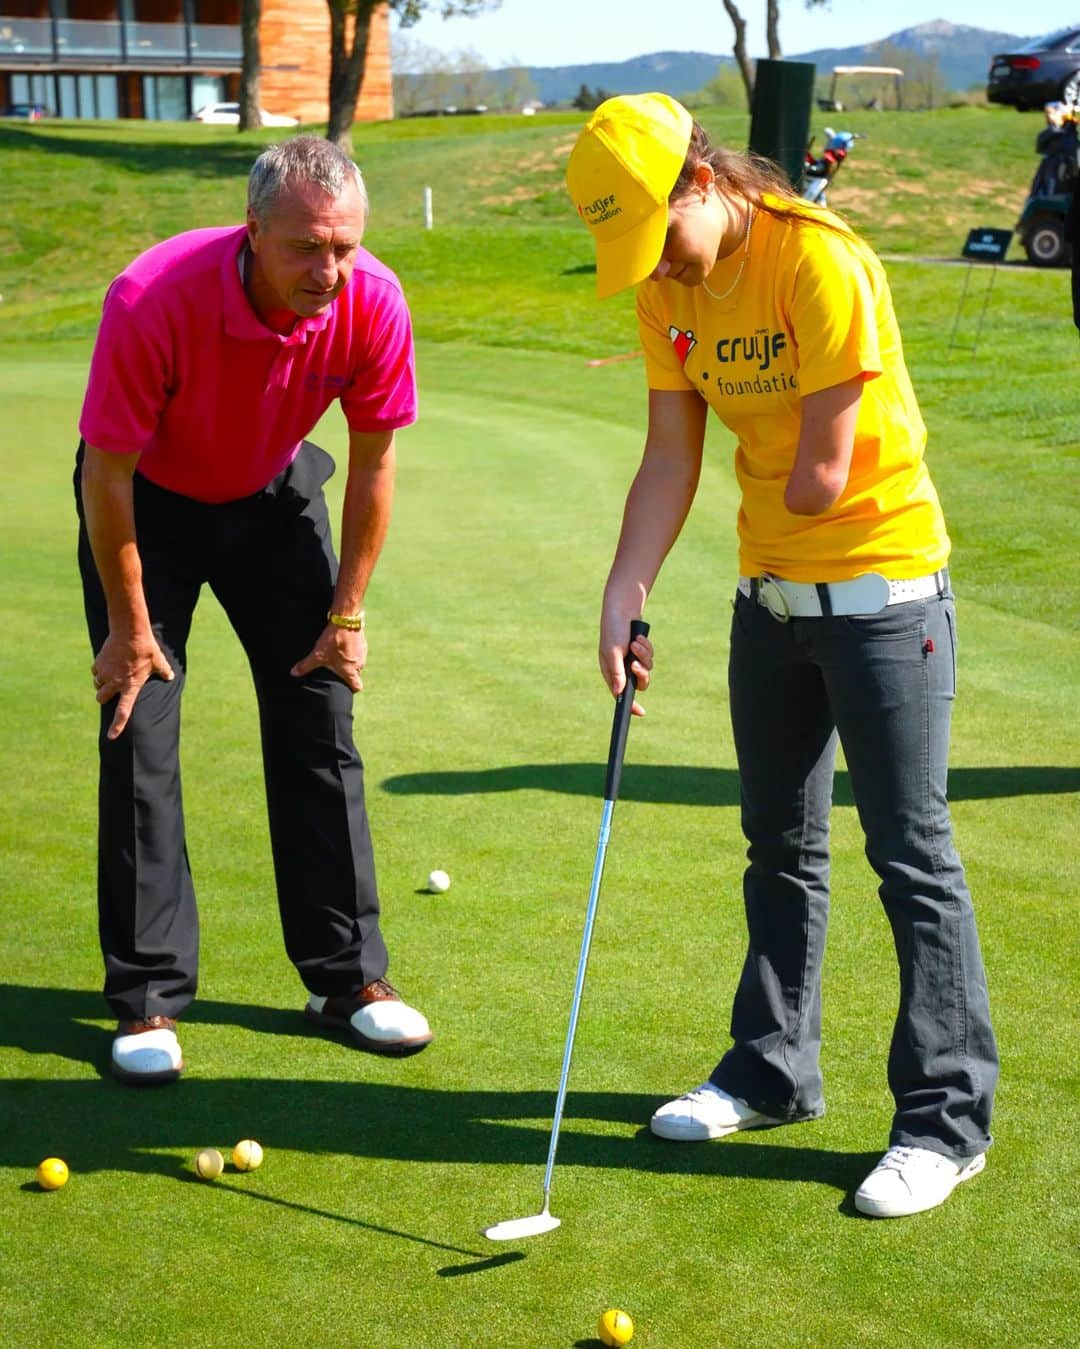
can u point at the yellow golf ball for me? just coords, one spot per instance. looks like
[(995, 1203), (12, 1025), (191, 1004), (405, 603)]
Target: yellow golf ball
[(52, 1173), (615, 1327), (209, 1164), (247, 1155)]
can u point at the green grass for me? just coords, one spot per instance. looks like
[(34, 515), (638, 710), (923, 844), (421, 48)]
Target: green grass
[(484, 726), (916, 185)]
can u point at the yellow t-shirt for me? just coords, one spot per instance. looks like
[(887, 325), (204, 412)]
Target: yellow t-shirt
[(811, 309)]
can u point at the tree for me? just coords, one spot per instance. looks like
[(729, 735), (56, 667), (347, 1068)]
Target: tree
[(923, 85), (349, 43), (585, 100), (516, 88), (473, 85), (427, 80), (739, 49), (251, 67), (725, 89), (772, 29), (415, 68), (772, 35)]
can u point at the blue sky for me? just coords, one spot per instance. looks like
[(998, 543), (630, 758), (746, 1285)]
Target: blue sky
[(572, 32)]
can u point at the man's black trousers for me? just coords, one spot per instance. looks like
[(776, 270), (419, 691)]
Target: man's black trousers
[(269, 559)]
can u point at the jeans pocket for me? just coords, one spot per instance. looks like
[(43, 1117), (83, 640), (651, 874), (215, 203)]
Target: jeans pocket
[(954, 639), (751, 619), (894, 623)]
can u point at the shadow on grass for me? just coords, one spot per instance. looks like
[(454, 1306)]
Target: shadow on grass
[(216, 158), (690, 785), (479, 1259), (97, 1124), (52, 1021)]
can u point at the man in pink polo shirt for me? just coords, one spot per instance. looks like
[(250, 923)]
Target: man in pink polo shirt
[(218, 352)]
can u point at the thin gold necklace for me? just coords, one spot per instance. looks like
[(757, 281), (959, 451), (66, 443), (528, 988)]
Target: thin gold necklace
[(742, 264)]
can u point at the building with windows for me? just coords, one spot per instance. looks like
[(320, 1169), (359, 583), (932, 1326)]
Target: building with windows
[(165, 59)]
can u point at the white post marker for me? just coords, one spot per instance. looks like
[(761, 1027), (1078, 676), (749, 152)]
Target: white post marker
[(428, 216)]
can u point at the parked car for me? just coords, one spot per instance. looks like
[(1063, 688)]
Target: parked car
[(1041, 71), (33, 112), (228, 114)]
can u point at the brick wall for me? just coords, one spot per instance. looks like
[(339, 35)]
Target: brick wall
[(295, 38)]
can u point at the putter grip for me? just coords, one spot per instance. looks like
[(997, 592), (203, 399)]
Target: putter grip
[(621, 724)]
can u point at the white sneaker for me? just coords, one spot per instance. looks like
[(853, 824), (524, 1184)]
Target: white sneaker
[(147, 1052), (911, 1180), (375, 1016), (706, 1112)]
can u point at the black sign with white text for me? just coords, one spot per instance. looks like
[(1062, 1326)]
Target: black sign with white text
[(986, 245)]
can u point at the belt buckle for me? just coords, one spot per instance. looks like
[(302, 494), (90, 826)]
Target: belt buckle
[(776, 602)]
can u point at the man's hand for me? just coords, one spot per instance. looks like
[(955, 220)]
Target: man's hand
[(339, 650), (122, 667)]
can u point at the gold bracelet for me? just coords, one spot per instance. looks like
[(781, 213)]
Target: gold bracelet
[(351, 622)]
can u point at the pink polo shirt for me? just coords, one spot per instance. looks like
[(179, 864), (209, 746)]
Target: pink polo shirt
[(217, 403)]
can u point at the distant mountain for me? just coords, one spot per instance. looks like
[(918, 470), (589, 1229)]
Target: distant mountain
[(667, 72), (963, 55)]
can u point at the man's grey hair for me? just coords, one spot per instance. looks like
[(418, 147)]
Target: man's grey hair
[(301, 160)]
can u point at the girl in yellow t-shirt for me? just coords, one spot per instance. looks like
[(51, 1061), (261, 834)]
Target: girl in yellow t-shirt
[(773, 313)]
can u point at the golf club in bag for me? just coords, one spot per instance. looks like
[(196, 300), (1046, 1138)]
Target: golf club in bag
[(514, 1228), (820, 170)]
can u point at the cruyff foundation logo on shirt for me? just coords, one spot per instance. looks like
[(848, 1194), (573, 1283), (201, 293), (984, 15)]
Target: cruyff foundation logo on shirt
[(313, 382), (596, 212), (761, 348), (683, 342)]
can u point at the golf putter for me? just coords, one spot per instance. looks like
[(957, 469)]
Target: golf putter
[(515, 1228)]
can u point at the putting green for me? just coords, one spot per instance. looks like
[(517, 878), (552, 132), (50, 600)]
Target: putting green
[(484, 729)]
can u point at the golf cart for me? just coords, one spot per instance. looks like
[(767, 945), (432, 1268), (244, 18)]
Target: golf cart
[(1041, 227), (876, 77)]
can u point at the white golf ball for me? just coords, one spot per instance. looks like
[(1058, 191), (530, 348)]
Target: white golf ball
[(438, 881)]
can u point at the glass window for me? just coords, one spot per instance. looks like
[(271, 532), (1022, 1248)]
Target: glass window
[(1044, 44), (69, 103), (206, 89), (86, 96), (165, 98), (108, 101), (34, 89)]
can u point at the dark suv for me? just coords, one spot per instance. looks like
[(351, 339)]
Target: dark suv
[(1041, 71)]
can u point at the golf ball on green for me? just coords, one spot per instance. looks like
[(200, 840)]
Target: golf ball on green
[(439, 882), (209, 1164)]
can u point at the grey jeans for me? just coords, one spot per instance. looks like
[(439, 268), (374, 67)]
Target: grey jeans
[(885, 684)]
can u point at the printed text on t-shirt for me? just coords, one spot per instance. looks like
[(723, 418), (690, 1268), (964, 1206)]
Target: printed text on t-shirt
[(761, 348)]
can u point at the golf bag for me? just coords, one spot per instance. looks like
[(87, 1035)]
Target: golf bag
[(1057, 143), (819, 170)]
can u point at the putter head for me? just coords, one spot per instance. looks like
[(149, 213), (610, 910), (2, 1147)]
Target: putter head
[(516, 1229)]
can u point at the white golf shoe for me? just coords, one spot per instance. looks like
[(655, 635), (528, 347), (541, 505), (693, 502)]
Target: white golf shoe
[(147, 1052), (706, 1112), (911, 1180), (376, 1018)]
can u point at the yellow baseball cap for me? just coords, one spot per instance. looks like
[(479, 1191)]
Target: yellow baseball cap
[(620, 175)]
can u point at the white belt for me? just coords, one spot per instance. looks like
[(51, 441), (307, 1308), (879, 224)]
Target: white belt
[(865, 594)]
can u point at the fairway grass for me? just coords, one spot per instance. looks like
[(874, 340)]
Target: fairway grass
[(484, 726)]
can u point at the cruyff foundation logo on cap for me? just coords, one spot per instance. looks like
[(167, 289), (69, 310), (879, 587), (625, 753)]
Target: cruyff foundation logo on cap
[(596, 212), (683, 342)]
